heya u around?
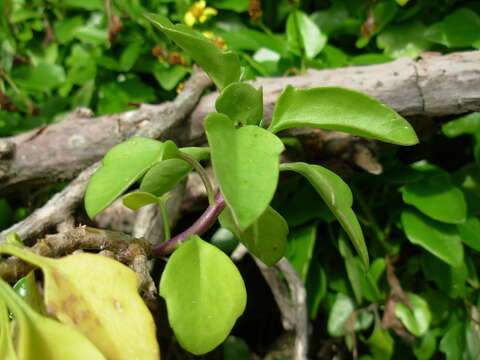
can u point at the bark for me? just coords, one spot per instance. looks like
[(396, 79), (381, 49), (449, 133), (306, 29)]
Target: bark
[(433, 86)]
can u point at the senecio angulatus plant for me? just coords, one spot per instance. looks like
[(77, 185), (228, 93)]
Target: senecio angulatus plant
[(203, 289)]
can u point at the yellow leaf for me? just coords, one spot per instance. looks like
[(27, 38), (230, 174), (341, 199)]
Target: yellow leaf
[(6, 345), (98, 296), (40, 338)]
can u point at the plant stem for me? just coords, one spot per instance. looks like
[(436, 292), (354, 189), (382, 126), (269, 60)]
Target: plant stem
[(203, 175), (163, 212), (202, 224)]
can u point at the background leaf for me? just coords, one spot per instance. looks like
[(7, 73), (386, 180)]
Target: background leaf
[(242, 103)]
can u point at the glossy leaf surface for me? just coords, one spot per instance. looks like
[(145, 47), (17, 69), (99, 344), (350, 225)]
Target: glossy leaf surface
[(242, 103), (266, 238), (441, 240), (222, 67), (205, 295), (124, 164), (341, 109), (138, 199), (110, 312), (338, 197), (436, 196), (41, 338), (246, 163), (164, 176), (418, 320)]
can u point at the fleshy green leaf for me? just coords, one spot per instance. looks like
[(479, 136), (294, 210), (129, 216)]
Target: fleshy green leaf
[(338, 197), (110, 312), (380, 343), (311, 39), (335, 108), (121, 167), (164, 176), (222, 67), (198, 153), (42, 338), (242, 103), (138, 199), (468, 124), (436, 196), (301, 243), (266, 238), (426, 346), (205, 295), (453, 342), (342, 308), (418, 320), (246, 163), (470, 232), (442, 240)]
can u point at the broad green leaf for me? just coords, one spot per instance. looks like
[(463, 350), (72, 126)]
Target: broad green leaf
[(470, 232), (417, 320), (246, 164), (426, 346), (341, 311), (41, 338), (124, 164), (266, 238), (205, 295), (380, 343), (110, 312), (136, 200), (311, 39), (341, 109), (406, 39), (459, 29), (301, 243), (222, 67), (242, 103), (338, 197), (27, 288), (468, 124), (441, 240), (43, 77), (164, 176), (436, 196), (6, 341)]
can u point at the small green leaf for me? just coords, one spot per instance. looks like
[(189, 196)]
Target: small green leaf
[(453, 342), (242, 103), (342, 309), (311, 39), (169, 78), (164, 176), (301, 243), (436, 196), (441, 240), (205, 295), (381, 343), (266, 238), (418, 320), (335, 108), (138, 199), (27, 288), (470, 232), (121, 167), (222, 67), (43, 76), (198, 153), (406, 39), (130, 55), (425, 347), (246, 163), (338, 197), (468, 124)]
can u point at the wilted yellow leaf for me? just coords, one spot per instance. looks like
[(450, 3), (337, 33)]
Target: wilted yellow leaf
[(40, 338), (98, 296)]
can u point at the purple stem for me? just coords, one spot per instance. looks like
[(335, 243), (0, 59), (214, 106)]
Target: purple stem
[(202, 224)]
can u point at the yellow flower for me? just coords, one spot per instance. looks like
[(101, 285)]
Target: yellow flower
[(198, 12)]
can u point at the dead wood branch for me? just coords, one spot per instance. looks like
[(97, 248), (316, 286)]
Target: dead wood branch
[(434, 86)]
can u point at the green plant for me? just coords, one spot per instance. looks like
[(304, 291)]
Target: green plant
[(203, 290)]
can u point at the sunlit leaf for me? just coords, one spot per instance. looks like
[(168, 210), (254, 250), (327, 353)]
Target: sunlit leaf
[(441, 240), (110, 312), (417, 320), (164, 176), (205, 295), (342, 309), (138, 199), (246, 163), (124, 164), (341, 109), (338, 197), (222, 67), (468, 124), (242, 103), (266, 238), (41, 338), (308, 35)]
